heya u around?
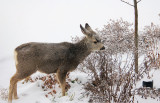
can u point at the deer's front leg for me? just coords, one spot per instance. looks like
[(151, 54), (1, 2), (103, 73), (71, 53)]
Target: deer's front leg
[(61, 76)]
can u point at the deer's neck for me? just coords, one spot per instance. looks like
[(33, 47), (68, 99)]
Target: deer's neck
[(81, 50)]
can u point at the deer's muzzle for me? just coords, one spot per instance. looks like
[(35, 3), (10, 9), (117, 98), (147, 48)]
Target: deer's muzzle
[(103, 48)]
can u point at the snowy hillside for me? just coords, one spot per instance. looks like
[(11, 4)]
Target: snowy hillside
[(33, 93)]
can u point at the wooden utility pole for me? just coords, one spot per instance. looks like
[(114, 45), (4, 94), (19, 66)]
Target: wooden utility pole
[(135, 32)]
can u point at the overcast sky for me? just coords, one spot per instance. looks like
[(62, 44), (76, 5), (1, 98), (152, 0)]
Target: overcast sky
[(24, 21)]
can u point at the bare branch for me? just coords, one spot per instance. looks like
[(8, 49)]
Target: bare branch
[(128, 3), (139, 1)]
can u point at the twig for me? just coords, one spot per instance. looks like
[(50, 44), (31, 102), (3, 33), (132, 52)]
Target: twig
[(129, 3), (139, 1)]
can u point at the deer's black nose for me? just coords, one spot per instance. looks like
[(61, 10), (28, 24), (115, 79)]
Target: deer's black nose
[(102, 48)]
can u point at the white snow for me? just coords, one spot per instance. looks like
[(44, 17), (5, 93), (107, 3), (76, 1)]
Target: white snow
[(33, 93), (155, 76)]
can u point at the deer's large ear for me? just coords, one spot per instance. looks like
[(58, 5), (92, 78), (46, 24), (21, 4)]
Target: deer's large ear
[(84, 31), (88, 27)]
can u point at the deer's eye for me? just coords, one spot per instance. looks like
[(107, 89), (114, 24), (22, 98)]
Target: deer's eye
[(95, 42)]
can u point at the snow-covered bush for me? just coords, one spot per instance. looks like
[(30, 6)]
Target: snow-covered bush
[(118, 36), (112, 71), (4, 94), (150, 41), (110, 82)]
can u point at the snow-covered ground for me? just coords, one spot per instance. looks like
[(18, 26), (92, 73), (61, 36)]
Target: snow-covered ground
[(155, 76), (33, 93)]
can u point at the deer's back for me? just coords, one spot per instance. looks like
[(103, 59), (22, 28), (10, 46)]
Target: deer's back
[(45, 57)]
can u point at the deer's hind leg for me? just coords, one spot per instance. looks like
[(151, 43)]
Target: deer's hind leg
[(61, 76), (13, 84), (15, 92)]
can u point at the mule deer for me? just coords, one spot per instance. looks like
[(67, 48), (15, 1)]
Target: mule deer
[(58, 58)]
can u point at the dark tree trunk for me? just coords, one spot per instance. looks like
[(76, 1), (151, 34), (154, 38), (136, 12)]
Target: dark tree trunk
[(136, 36)]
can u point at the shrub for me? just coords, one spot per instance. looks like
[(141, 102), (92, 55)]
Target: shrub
[(4, 94), (49, 83)]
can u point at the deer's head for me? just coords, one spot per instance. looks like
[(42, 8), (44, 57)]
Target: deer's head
[(93, 40)]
